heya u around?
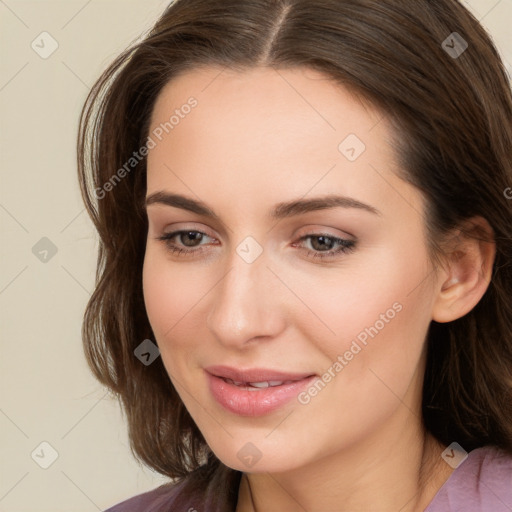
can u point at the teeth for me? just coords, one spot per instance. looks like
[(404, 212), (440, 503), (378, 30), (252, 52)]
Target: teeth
[(260, 385)]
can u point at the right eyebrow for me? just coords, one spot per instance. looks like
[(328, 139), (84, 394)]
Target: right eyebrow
[(183, 202)]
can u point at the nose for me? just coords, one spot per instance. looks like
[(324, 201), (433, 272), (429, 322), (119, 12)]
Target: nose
[(247, 303)]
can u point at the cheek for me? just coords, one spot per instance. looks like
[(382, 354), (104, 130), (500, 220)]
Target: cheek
[(380, 324), (378, 314), (170, 295), (379, 290)]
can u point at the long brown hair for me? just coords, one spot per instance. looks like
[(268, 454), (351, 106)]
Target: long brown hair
[(452, 110)]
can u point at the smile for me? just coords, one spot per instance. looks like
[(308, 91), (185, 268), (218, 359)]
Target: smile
[(254, 392)]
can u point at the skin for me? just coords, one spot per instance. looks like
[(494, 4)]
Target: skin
[(255, 139)]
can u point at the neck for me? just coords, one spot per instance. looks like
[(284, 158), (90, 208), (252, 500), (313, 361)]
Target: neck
[(403, 473)]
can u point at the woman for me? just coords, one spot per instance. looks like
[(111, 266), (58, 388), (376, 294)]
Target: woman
[(304, 279)]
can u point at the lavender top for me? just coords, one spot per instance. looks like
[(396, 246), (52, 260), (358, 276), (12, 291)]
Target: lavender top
[(482, 483)]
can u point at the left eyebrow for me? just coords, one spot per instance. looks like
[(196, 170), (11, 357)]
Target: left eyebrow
[(299, 206), (280, 210)]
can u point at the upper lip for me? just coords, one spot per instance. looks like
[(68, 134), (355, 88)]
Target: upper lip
[(254, 374)]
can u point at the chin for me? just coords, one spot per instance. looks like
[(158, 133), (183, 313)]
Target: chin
[(257, 457)]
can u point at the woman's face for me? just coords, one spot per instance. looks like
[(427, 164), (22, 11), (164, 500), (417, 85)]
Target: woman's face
[(256, 155)]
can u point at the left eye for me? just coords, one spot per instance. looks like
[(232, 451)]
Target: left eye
[(319, 243), (323, 240)]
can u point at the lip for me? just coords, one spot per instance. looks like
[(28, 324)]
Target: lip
[(260, 401), (253, 374)]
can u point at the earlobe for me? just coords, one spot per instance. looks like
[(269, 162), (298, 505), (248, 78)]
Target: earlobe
[(469, 271)]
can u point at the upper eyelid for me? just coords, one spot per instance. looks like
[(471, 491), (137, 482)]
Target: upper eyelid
[(316, 230), (180, 231), (315, 233)]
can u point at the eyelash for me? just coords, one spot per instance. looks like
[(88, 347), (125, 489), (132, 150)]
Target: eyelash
[(345, 246)]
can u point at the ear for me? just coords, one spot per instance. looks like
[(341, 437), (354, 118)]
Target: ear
[(467, 271)]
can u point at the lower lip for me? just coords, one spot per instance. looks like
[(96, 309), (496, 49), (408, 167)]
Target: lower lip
[(258, 402)]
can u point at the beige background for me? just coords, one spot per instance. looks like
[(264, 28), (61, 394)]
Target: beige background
[(47, 393)]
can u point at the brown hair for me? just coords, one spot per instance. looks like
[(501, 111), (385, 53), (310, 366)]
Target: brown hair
[(453, 117)]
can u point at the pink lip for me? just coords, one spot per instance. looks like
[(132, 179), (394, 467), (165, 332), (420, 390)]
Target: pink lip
[(253, 374), (260, 401)]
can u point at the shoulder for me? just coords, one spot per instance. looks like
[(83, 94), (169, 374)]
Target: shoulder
[(208, 488), (482, 482), (151, 501)]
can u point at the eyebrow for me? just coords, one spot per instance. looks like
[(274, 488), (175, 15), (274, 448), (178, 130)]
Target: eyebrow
[(280, 210)]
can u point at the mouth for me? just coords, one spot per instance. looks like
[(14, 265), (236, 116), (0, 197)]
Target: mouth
[(255, 375), (254, 386), (256, 391)]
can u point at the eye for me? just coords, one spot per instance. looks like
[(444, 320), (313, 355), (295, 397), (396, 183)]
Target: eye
[(323, 245), (188, 238)]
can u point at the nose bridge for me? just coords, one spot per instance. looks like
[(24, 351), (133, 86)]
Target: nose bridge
[(246, 302)]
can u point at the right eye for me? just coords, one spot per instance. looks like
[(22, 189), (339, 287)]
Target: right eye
[(186, 237)]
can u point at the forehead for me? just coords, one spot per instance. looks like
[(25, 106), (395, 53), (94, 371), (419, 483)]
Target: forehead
[(297, 94), (265, 132)]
